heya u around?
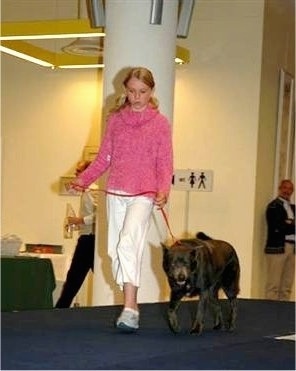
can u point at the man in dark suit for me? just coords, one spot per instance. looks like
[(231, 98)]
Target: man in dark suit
[(280, 244)]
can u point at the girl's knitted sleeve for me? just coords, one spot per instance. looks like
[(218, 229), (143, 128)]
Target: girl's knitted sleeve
[(101, 162), (165, 159)]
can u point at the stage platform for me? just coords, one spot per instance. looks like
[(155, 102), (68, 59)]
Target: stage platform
[(85, 339)]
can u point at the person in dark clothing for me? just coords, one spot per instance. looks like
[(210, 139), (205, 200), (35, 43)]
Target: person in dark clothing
[(83, 258), (280, 244)]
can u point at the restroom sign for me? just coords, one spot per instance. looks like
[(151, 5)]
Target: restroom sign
[(193, 180)]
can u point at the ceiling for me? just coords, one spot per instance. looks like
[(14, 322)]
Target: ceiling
[(23, 14), (46, 11)]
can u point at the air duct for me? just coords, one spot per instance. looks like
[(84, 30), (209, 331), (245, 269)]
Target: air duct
[(156, 11), (186, 10), (96, 13)]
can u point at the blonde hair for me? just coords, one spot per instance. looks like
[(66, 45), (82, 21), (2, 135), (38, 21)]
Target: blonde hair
[(142, 74)]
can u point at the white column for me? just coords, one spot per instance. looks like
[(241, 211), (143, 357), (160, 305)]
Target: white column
[(132, 41)]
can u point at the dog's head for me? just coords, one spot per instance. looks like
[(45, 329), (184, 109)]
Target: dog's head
[(179, 261)]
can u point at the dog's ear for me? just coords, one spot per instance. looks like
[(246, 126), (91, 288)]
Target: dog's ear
[(202, 236), (164, 247)]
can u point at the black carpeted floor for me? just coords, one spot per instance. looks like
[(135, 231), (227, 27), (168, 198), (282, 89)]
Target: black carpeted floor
[(85, 338)]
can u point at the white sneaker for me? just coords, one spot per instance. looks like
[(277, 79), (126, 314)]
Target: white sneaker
[(128, 321)]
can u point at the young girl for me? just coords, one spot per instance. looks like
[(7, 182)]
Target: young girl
[(137, 152)]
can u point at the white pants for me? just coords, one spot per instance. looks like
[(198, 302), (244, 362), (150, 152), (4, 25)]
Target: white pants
[(128, 224)]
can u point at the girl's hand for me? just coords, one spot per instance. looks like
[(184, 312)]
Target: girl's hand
[(75, 185), (160, 199)]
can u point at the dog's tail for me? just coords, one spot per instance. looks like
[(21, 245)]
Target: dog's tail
[(203, 236)]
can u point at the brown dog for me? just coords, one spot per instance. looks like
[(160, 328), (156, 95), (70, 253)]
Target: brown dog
[(201, 266)]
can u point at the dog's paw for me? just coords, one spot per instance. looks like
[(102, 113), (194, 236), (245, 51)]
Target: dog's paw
[(230, 324), (218, 326), (230, 327), (196, 328), (173, 322)]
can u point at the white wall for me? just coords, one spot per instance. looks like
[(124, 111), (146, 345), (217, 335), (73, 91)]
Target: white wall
[(216, 122), (47, 119), (49, 116), (278, 52)]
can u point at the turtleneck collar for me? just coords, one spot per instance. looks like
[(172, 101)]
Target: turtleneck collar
[(135, 118)]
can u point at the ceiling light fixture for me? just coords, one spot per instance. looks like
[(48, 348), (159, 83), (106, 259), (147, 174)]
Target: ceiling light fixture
[(53, 29), (81, 66), (26, 57), (88, 46), (51, 36), (54, 65)]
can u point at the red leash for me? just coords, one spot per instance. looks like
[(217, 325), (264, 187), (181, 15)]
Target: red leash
[(141, 194), (168, 225)]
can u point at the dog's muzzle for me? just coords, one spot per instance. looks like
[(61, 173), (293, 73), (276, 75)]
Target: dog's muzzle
[(181, 280), (184, 285)]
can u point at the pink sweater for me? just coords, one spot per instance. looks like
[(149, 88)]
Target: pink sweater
[(137, 152)]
